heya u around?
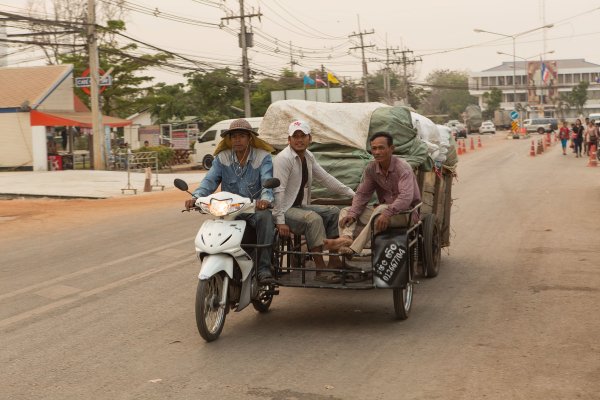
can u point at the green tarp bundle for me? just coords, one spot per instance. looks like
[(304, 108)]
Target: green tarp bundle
[(347, 164)]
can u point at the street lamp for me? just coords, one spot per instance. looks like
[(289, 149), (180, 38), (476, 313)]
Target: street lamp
[(514, 37), (525, 58)]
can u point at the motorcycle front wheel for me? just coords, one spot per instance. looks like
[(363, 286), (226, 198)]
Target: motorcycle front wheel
[(210, 315)]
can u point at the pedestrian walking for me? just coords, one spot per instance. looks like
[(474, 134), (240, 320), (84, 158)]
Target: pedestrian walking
[(564, 135), (591, 137), (578, 137)]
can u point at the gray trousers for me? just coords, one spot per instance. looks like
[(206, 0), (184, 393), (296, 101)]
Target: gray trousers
[(315, 222)]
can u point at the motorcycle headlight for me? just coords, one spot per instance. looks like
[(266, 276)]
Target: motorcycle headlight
[(219, 208)]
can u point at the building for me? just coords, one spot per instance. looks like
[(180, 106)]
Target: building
[(33, 99), (538, 85)]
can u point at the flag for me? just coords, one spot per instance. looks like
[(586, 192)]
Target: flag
[(320, 81), (331, 78), (308, 80), (545, 73)]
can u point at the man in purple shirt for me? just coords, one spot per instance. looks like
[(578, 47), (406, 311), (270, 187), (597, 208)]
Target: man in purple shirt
[(397, 190)]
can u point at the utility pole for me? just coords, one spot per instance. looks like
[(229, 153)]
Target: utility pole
[(292, 61), (387, 86), (364, 61), (3, 46), (98, 132), (405, 61), (244, 45)]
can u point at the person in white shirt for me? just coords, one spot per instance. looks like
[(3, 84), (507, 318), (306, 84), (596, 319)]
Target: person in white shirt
[(296, 167)]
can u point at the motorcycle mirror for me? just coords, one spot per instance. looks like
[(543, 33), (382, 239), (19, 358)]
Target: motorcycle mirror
[(180, 184), (271, 183)]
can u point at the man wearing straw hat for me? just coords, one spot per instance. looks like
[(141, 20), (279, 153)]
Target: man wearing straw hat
[(242, 163)]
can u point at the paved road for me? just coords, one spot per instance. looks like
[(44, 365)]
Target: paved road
[(96, 302)]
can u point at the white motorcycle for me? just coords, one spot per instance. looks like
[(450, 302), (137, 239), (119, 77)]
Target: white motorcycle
[(227, 277)]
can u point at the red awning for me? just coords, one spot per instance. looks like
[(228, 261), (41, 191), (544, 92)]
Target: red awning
[(66, 118)]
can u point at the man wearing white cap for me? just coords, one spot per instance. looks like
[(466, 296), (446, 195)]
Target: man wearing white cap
[(295, 167)]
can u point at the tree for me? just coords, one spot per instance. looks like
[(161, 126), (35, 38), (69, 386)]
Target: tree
[(579, 95), (168, 102), (65, 29), (261, 94), (492, 99), (130, 89), (213, 95), (563, 104), (449, 93)]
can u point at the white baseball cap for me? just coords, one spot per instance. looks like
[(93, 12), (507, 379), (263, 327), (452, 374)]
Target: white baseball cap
[(299, 125)]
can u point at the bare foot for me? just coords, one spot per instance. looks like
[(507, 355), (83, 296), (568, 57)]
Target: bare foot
[(334, 244)]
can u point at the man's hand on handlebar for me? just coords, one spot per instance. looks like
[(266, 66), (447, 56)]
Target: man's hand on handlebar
[(284, 230), (262, 205), (344, 222), (191, 203)]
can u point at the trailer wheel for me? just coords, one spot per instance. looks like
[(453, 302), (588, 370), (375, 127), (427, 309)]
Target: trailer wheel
[(432, 249), (403, 301), (207, 162)]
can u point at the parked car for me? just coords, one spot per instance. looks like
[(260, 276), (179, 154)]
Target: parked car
[(458, 130), (540, 125), (487, 127)]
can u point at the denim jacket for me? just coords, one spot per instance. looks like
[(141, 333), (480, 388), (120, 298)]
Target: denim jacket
[(244, 181)]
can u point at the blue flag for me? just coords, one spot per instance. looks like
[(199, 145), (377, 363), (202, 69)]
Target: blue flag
[(308, 80)]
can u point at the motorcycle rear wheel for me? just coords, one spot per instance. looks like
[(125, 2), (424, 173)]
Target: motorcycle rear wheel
[(210, 315)]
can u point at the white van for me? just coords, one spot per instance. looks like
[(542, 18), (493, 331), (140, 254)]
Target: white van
[(207, 142)]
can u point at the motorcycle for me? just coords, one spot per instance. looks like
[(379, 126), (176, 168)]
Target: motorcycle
[(227, 277)]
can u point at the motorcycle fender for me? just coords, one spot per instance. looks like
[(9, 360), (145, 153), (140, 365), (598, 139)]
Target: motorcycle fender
[(245, 295), (214, 263)]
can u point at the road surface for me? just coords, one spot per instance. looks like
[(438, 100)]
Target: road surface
[(97, 302)]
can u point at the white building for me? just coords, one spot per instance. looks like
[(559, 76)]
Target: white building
[(527, 90)]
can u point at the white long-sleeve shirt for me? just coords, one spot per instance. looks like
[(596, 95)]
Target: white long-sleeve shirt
[(287, 167)]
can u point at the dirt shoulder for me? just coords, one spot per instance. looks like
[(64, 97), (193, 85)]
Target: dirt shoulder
[(21, 215)]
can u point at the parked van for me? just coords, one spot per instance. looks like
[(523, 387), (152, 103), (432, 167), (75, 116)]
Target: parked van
[(207, 142)]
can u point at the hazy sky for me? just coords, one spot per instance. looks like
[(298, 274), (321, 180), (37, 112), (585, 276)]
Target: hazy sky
[(440, 32)]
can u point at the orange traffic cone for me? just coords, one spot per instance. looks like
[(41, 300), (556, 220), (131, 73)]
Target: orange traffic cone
[(479, 141), (472, 144), (532, 151), (459, 149), (593, 162), (464, 146)]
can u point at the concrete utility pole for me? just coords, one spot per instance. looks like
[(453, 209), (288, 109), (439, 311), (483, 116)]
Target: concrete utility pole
[(364, 61), (98, 132), (405, 61), (3, 46), (292, 61), (244, 45), (387, 86)]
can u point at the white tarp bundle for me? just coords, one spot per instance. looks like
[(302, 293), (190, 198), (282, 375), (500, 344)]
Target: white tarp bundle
[(339, 123)]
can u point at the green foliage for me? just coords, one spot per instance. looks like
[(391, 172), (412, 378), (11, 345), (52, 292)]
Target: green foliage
[(165, 154), (130, 88), (492, 99), (579, 95), (449, 93)]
